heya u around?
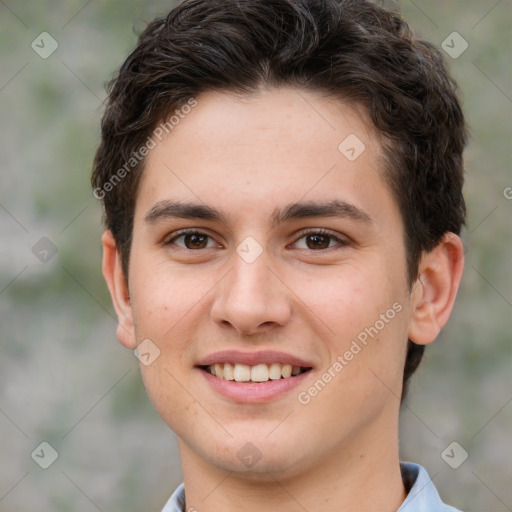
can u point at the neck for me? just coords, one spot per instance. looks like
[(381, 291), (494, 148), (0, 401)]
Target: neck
[(364, 476)]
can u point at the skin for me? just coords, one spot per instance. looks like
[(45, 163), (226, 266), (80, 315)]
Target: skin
[(247, 157)]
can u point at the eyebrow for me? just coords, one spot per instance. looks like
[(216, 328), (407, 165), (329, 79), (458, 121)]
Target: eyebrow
[(168, 209)]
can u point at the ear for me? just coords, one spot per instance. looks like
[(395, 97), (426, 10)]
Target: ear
[(433, 294), (118, 287)]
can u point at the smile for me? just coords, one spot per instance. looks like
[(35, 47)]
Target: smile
[(259, 373)]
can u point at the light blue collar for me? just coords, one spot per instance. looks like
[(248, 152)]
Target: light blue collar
[(422, 497)]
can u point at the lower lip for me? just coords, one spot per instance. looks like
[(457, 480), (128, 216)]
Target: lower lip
[(253, 392)]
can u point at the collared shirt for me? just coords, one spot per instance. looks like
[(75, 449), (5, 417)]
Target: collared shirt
[(422, 497)]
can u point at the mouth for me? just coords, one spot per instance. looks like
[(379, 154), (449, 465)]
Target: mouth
[(258, 373)]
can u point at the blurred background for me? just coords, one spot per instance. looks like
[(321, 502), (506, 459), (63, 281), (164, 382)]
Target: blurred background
[(64, 378)]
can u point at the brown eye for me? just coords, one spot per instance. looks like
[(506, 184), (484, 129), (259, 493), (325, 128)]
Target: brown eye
[(195, 241), (318, 241), (192, 240)]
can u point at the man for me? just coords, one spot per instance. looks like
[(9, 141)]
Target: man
[(282, 184)]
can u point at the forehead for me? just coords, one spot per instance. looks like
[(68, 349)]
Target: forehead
[(255, 153)]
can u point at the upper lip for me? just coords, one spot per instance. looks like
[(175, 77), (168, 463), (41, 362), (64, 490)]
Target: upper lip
[(253, 358)]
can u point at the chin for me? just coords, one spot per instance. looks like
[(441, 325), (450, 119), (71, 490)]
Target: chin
[(255, 457), (265, 470)]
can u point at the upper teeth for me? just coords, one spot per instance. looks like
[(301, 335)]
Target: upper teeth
[(258, 373)]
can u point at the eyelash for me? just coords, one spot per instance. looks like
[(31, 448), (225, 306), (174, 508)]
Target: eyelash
[(319, 231)]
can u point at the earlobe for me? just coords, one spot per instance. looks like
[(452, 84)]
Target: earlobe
[(118, 287), (433, 294)]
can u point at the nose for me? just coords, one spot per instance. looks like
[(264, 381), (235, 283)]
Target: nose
[(251, 299)]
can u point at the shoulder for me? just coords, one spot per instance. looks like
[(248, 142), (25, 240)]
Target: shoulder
[(176, 502), (423, 495)]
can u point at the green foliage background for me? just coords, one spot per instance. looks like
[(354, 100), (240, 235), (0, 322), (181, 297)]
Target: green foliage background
[(65, 379)]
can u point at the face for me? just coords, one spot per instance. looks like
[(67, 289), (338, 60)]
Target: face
[(266, 242)]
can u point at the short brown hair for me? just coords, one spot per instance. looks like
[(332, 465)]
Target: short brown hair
[(350, 49)]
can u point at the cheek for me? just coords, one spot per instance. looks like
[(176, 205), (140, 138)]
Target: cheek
[(347, 299), (364, 311), (164, 297)]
